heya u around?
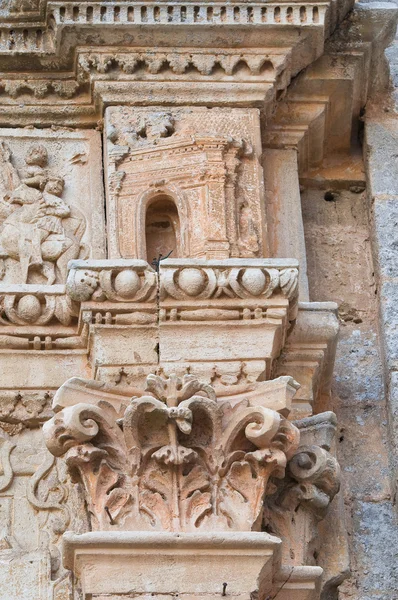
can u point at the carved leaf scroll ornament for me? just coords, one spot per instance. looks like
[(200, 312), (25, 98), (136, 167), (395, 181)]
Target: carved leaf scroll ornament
[(175, 459)]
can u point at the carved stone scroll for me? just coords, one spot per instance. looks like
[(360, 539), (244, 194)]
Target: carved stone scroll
[(175, 459)]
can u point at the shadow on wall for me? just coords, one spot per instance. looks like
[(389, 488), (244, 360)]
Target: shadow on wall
[(162, 228)]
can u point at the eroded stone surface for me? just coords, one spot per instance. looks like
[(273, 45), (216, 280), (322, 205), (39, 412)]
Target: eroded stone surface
[(51, 204), (196, 104)]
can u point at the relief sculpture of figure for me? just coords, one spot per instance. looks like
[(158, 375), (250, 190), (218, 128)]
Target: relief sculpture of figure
[(39, 230)]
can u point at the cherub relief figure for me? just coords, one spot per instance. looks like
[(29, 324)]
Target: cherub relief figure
[(39, 230)]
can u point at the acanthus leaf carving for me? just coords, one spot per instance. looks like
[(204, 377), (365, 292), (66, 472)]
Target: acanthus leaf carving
[(175, 459)]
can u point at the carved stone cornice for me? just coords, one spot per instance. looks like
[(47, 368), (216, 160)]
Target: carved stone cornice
[(45, 37), (309, 119), (71, 79)]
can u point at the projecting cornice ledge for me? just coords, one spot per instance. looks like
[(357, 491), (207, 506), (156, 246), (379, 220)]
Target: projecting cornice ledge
[(83, 57), (353, 69)]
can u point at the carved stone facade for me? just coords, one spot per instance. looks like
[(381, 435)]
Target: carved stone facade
[(168, 320)]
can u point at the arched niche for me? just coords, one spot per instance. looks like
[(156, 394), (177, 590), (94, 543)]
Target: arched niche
[(162, 226)]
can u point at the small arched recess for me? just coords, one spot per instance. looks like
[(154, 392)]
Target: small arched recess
[(163, 218)]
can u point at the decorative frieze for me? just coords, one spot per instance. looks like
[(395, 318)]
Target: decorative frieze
[(253, 281)]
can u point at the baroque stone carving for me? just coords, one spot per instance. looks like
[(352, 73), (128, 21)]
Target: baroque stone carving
[(46, 213), (183, 456), (206, 164), (115, 281), (34, 231), (204, 282), (27, 409), (312, 481), (175, 459), (35, 308), (47, 493)]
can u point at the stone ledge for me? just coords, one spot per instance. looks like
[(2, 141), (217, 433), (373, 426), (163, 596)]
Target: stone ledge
[(179, 563), (190, 565)]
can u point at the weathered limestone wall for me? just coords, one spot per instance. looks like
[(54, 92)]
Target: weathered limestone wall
[(189, 122), (340, 267)]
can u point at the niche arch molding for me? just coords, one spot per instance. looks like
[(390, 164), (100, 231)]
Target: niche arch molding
[(146, 200)]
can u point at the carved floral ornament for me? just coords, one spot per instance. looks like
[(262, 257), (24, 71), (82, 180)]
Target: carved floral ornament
[(87, 280), (236, 282), (174, 459), (99, 281)]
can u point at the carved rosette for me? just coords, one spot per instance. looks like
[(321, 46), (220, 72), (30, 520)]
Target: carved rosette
[(175, 459)]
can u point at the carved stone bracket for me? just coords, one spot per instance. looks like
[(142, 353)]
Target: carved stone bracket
[(312, 481)]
